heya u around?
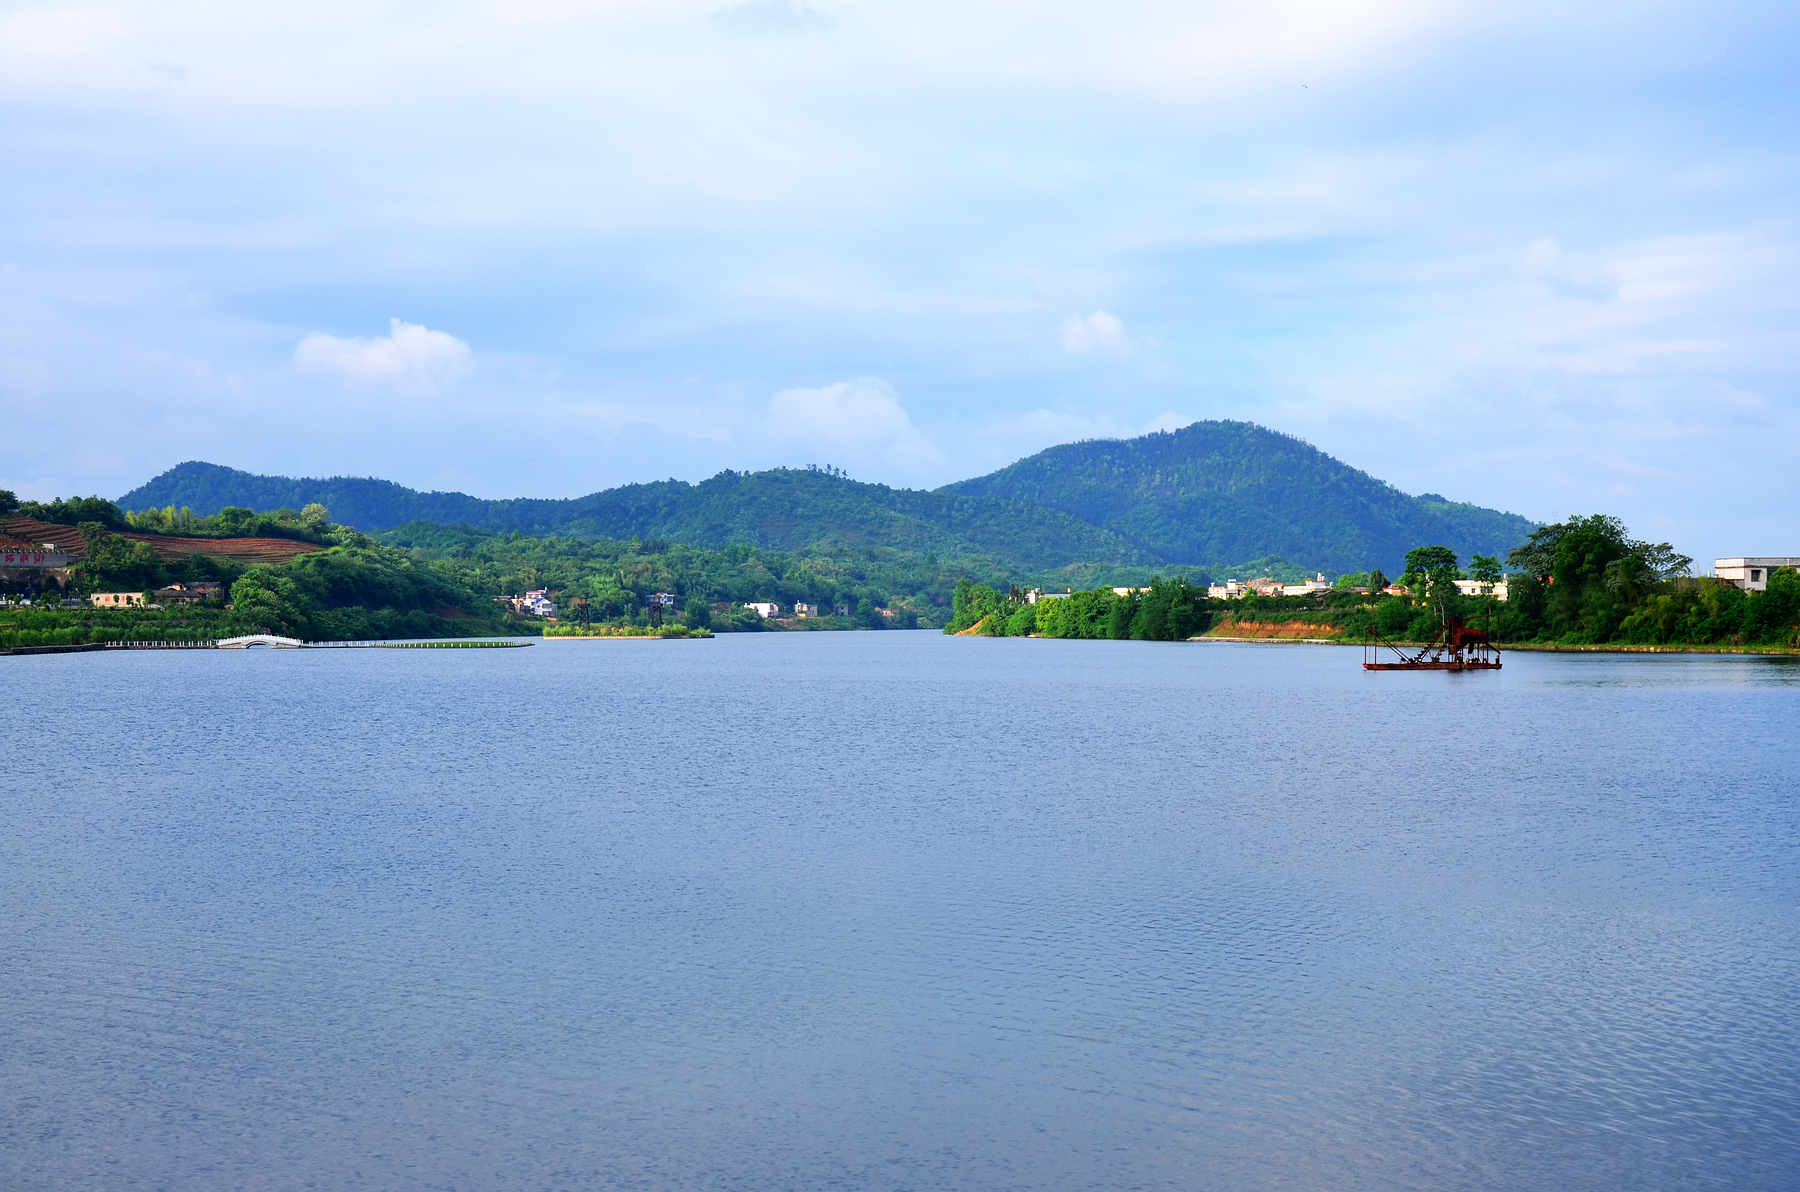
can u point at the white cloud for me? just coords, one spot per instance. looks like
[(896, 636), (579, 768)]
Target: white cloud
[(1329, 213), (1546, 262), (772, 16), (410, 354), (1099, 332), (858, 421)]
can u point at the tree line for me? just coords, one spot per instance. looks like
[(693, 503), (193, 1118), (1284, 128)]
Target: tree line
[(1587, 581), (1165, 610), (1584, 581), (1581, 581), (423, 581)]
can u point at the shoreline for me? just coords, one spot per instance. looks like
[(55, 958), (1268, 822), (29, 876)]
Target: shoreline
[(1533, 647), (629, 637), (1553, 648)]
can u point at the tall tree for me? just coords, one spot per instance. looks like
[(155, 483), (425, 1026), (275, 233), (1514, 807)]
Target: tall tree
[(1432, 572)]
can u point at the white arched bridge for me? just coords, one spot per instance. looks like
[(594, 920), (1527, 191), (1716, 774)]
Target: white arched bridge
[(259, 639)]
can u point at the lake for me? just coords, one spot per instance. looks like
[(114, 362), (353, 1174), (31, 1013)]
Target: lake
[(897, 911)]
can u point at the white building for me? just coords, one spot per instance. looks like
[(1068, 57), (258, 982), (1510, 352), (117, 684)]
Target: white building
[(1231, 589), (763, 608), (1311, 586), (1474, 587), (1751, 574), (803, 609), (1037, 594)]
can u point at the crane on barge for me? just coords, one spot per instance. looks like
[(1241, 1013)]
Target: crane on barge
[(1455, 648)]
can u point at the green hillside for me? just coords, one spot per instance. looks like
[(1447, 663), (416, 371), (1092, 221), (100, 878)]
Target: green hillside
[(803, 511), (1224, 492), (363, 502), (789, 510), (1213, 495)]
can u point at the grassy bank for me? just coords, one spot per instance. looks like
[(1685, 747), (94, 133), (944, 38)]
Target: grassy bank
[(598, 632), (84, 626)]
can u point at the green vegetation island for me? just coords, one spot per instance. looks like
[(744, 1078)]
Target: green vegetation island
[(1124, 539), (1580, 584)]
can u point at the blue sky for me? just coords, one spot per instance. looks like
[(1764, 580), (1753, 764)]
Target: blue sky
[(1538, 256)]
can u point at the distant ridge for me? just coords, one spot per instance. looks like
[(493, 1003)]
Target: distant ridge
[(790, 510), (1212, 494), (1220, 491), (363, 502)]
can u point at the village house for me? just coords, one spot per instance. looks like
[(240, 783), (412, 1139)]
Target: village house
[(1752, 573), (1309, 588), (1037, 594), (763, 608), (186, 593), (117, 599), (536, 603), (1475, 587), (803, 609)]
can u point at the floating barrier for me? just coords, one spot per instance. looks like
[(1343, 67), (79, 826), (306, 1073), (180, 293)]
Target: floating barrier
[(460, 643)]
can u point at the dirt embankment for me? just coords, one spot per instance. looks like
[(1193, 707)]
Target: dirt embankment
[(1273, 629)]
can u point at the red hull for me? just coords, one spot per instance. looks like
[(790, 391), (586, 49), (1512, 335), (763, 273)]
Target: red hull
[(1456, 666)]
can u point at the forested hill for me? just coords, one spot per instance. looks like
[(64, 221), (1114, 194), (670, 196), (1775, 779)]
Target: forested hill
[(1218, 491), (1214, 494), (365, 503), (789, 510)]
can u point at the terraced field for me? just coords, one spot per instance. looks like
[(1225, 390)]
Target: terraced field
[(239, 550)]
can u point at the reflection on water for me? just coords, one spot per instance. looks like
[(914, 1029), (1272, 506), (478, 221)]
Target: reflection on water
[(897, 911)]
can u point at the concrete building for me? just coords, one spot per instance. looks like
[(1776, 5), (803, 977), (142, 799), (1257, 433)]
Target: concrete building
[(1309, 588), (34, 565), (116, 599), (763, 608), (1752, 574), (803, 609), (536, 603), (1474, 587), (186, 593), (1037, 594)]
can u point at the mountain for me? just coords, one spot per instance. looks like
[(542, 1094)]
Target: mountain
[(1213, 494), (787, 510), (367, 504), (1221, 492)]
